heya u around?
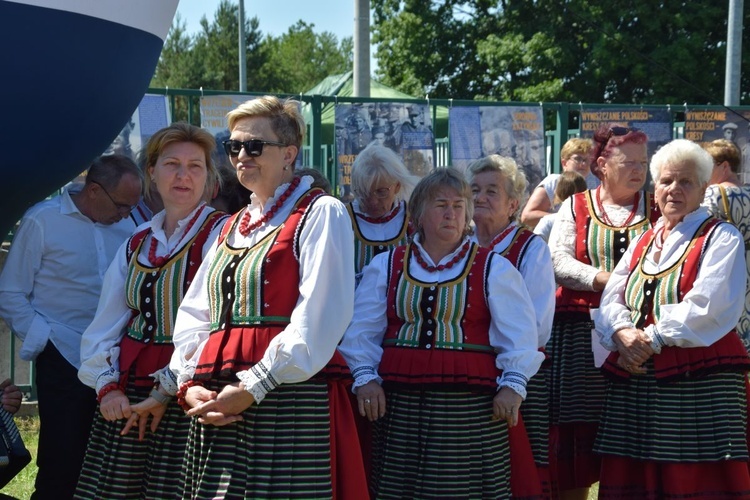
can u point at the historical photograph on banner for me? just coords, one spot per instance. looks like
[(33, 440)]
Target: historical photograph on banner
[(655, 123), (214, 111), (404, 128), (513, 131), (151, 115), (704, 126)]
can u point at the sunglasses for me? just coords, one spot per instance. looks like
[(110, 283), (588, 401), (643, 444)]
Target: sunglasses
[(253, 147), (619, 131)]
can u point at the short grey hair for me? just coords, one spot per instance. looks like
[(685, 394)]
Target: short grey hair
[(683, 151), (515, 180), (377, 162)]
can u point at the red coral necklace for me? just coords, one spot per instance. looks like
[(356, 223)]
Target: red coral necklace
[(424, 265), (245, 226), (160, 261)]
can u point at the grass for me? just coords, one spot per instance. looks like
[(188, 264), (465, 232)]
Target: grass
[(22, 485)]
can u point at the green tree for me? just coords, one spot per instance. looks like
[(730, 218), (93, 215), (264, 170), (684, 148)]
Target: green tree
[(300, 58), (627, 51)]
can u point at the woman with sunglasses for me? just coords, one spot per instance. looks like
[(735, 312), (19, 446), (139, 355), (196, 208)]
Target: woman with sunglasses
[(126, 349), (381, 185), (589, 236), (442, 344), (262, 320), (574, 157), (499, 189), (674, 423)]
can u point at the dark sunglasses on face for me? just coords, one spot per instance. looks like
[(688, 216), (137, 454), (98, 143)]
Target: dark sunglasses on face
[(253, 147)]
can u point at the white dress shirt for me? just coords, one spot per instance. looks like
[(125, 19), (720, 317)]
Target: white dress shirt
[(100, 351), (323, 309), (52, 278), (537, 273), (707, 312), (512, 330)]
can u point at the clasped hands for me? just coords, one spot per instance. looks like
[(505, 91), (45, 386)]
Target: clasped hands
[(634, 348)]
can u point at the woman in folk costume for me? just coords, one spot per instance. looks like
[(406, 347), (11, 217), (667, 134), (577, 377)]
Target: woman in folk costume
[(499, 189), (126, 349), (441, 347), (589, 236), (381, 185), (259, 325), (674, 423)]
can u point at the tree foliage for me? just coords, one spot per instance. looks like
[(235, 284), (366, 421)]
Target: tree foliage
[(629, 51), (290, 63)]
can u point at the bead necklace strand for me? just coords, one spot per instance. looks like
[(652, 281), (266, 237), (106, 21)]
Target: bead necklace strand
[(383, 219), (500, 237), (245, 226), (424, 265), (605, 217), (160, 261)]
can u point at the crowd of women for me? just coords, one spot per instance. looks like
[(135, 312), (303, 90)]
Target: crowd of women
[(420, 341)]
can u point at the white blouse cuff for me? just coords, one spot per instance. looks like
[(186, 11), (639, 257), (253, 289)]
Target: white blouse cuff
[(166, 379), (515, 380), (655, 338), (258, 381), (364, 374), (108, 377)]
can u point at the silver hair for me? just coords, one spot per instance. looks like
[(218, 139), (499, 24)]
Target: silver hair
[(377, 162), (683, 151), (515, 180)]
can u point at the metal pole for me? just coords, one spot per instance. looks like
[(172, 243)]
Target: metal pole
[(734, 54), (243, 49), (361, 48)]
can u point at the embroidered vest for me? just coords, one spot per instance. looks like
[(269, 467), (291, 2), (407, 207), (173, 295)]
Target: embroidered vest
[(518, 246), (365, 249), (646, 293)]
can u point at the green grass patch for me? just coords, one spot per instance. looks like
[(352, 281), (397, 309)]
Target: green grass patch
[(22, 485)]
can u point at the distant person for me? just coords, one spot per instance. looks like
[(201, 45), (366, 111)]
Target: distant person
[(575, 156), (728, 199), (49, 289), (729, 130), (568, 184), (231, 196)]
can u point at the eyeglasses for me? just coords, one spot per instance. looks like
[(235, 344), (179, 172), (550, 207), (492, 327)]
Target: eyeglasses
[(121, 207), (578, 159), (253, 147), (379, 193)]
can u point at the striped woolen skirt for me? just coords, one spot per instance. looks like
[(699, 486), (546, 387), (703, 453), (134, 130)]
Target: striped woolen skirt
[(281, 448), (439, 444), (123, 467), (577, 386), (684, 439)]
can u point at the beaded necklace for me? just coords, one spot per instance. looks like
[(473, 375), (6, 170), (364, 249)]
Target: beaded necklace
[(603, 213), (500, 237), (160, 261), (381, 220), (420, 260), (246, 227)]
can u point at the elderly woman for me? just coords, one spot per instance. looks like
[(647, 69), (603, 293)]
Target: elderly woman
[(129, 342), (575, 156), (441, 347), (259, 324), (674, 423), (499, 190), (590, 235), (729, 199), (381, 185)]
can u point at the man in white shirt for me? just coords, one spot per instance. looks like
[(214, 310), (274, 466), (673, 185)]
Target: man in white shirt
[(49, 290)]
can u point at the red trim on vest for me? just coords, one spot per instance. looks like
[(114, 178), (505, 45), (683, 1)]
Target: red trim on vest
[(238, 347), (143, 358), (727, 354), (428, 366), (517, 248), (581, 301)]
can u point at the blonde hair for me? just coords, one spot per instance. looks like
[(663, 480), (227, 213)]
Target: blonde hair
[(576, 145), (377, 162), (286, 121), (175, 133), (722, 150)]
